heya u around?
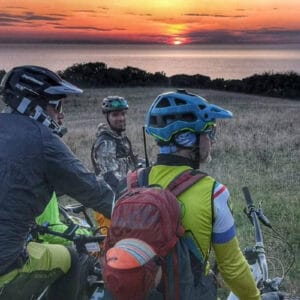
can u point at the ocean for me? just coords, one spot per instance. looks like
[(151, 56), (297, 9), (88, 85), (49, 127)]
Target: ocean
[(215, 61)]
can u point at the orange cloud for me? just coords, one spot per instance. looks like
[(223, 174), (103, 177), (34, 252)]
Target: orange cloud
[(150, 21)]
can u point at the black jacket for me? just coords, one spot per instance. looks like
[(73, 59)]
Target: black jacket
[(34, 162)]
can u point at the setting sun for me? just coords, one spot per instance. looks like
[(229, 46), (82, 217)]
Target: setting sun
[(177, 42)]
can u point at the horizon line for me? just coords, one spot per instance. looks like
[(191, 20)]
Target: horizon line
[(143, 43)]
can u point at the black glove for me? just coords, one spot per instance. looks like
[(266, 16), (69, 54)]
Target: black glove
[(272, 296), (112, 180)]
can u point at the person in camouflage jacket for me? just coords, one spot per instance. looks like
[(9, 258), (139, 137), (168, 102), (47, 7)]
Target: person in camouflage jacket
[(112, 156)]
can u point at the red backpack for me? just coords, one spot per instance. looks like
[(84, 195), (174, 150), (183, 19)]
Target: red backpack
[(151, 214)]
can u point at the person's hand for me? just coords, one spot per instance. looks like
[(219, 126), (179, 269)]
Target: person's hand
[(272, 296)]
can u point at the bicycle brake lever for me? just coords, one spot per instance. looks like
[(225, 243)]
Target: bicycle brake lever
[(263, 218)]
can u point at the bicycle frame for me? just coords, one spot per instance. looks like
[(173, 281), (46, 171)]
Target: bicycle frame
[(260, 268)]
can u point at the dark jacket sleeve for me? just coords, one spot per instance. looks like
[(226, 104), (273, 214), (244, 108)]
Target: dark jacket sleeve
[(67, 175)]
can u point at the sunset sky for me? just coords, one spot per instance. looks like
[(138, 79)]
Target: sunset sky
[(154, 21)]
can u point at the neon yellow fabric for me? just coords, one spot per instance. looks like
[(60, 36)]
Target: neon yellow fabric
[(42, 257), (235, 271), (51, 215), (197, 225)]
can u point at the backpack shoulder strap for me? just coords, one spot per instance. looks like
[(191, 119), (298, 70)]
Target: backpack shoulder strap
[(184, 181), (138, 178)]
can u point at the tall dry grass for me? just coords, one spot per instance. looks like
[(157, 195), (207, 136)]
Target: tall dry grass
[(259, 148)]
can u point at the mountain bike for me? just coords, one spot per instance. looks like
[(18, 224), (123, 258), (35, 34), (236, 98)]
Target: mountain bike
[(85, 245), (260, 263)]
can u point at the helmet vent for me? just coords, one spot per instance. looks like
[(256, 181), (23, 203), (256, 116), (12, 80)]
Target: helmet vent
[(180, 101), (153, 121), (188, 117), (28, 79), (168, 119), (27, 84), (202, 106), (164, 102)]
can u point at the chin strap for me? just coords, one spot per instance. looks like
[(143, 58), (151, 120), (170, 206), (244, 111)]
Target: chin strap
[(196, 150), (34, 111), (41, 116)]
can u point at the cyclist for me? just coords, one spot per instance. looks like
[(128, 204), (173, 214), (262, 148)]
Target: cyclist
[(112, 156), (34, 162), (184, 127), (51, 213)]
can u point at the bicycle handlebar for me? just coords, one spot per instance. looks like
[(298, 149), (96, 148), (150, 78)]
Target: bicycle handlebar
[(247, 196), (263, 218), (70, 234), (75, 209)]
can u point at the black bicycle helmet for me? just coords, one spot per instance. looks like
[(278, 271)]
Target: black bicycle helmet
[(37, 84), (29, 89)]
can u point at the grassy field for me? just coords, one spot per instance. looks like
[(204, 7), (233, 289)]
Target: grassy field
[(259, 148)]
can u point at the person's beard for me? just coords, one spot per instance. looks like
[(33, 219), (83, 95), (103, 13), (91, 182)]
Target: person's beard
[(119, 128)]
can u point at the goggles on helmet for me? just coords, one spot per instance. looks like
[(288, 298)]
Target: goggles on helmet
[(118, 104), (56, 104)]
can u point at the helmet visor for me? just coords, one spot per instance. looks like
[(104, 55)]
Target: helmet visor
[(64, 87)]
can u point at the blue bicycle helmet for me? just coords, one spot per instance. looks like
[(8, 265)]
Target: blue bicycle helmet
[(174, 112)]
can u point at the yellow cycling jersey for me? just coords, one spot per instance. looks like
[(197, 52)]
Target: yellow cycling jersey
[(198, 225)]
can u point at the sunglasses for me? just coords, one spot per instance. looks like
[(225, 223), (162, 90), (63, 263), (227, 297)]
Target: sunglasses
[(56, 104)]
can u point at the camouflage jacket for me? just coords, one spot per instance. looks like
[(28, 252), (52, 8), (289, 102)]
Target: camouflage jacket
[(112, 156)]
